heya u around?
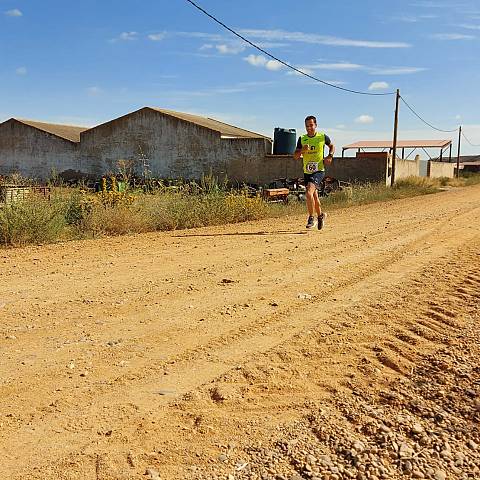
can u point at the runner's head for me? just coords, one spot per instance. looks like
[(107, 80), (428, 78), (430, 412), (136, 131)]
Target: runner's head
[(311, 125)]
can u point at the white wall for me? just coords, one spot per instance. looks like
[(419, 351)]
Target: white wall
[(33, 153), (441, 169)]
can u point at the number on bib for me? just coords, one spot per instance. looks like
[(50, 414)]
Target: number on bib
[(312, 167)]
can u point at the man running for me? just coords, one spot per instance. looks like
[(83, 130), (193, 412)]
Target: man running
[(311, 147)]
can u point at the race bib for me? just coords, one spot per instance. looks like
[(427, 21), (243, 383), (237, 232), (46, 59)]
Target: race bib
[(311, 167)]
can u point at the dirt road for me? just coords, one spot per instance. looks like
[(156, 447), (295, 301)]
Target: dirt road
[(162, 350)]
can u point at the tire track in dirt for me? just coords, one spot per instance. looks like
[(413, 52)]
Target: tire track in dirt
[(405, 245), (230, 416), (363, 278)]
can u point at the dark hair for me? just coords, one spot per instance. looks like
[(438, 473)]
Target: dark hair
[(311, 117)]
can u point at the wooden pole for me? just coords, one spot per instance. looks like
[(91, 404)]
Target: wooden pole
[(458, 150), (395, 132)]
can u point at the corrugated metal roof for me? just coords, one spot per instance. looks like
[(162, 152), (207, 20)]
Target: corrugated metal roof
[(67, 132), (226, 130), (400, 144)]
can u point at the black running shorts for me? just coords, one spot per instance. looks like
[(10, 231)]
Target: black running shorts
[(315, 178)]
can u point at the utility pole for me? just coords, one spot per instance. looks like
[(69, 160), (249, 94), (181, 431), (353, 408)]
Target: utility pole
[(395, 132), (458, 151)]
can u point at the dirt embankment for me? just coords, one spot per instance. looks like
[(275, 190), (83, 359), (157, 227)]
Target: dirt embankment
[(250, 351)]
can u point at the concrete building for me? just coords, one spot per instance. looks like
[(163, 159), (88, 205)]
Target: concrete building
[(174, 145), (377, 165), (37, 149), (169, 144)]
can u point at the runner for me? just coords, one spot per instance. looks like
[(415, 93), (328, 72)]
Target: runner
[(311, 147)]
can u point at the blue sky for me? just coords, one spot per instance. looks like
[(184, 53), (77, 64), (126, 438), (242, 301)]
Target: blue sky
[(88, 63)]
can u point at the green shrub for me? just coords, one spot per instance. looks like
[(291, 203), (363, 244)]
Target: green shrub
[(119, 219), (77, 214), (33, 220)]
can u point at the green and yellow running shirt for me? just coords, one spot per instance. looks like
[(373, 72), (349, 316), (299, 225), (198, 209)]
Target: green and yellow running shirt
[(313, 159)]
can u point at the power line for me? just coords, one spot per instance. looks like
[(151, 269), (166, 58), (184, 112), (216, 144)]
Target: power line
[(468, 141), (281, 61), (424, 121)]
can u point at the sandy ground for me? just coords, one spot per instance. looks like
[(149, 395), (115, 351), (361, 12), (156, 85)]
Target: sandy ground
[(161, 351)]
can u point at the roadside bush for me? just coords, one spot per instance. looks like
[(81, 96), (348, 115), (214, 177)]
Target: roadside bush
[(119, 219), (33, 220), (77, 207), (416, 182), (78, 214), (172, 211), (470, 178)]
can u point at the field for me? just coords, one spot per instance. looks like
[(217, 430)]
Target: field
[(249, 351)]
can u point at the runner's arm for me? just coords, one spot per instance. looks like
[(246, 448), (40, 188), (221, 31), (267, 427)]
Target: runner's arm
[(298, 152), (331, 151)]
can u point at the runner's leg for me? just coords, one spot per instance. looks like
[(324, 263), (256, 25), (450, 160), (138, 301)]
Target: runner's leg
[(316, 200), (311, 191)]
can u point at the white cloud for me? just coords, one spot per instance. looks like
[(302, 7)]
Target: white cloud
[(205, 55), (396, 70), (235, 48), (156, 37), (229, 49), (213, 37), (94, 91), (257, 84), (364, 119), (266, 45), (406, 19), (282, 35), (222, 90), (261, 61), (339, 66), (345, 66), (378, 86), (125, 37), (304, 70), (451, 36), (313, 81), (430, 4), (14, 13), (458, 117), (256, 60), (128, 36), (277, 38), (341, 126), (232, 47), (224, 49), (21, 71), (469, 26), (273, 65)]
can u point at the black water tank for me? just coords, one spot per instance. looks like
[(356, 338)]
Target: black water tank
[(284, 141)]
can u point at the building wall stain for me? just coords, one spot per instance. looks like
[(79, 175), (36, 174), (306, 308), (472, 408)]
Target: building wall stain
[(169, 147)]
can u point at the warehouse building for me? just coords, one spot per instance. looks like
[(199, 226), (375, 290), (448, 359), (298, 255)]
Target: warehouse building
[(169, 144), (37, 149)]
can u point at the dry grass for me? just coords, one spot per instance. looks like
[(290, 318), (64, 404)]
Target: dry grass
[(117, 220), (73, 214), (34, 220)]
